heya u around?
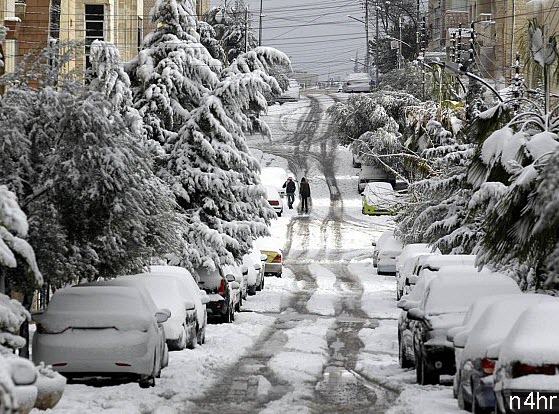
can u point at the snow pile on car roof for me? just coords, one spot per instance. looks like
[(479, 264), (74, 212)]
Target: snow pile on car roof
[(497, 322), (534, 337), (455, 293), (93, 307)]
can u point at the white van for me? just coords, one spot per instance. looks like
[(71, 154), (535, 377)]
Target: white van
[(357, 82), (370, 174)]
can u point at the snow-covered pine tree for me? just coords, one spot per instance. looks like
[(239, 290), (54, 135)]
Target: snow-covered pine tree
[(75, 150), (109, 78), (210, 42), (2, 37), (173, 71), (230, 25)]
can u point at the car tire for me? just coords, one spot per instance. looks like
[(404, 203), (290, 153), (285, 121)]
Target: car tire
[(201, 336), (462, 403), (193, 339), (427, 377), (146, 381), (476, 409), (402, 358)]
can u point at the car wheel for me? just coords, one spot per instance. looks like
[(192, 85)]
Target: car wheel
[(462, 403), (427, 376), (147, 381), (193, 339), (404, 361), (476, 409)]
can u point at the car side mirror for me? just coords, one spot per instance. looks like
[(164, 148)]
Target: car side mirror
[(230, 278), (416, 314), (205, 299), (37, 315), (402, 303), (257, 266), (263, 257), (460, 339), (189, 305), (244, 269), (162, 315), (235, 285)]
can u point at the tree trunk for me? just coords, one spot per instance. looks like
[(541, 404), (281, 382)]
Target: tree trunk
[(24, 329)]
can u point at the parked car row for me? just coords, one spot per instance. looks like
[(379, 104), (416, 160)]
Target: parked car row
[(124, 328), (499, 344)]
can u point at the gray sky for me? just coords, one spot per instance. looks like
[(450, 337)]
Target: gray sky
[(316, 34)]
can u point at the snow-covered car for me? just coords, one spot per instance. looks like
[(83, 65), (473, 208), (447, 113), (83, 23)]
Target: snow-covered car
[(406, 355), (356, 161), (527, 368), (357, 82), (388, 242), (220, 291), (274, 199), (387, 254), (235, 278), (102, 331), (271, 248), (274, 177), (411, 250), (23, 376), (436, 262), (292, 94), (402, 277), (443, 307), (167, 292), (379, 198), (255, 276), (371, 174), (481, 350), (191, 291), (462, 332)]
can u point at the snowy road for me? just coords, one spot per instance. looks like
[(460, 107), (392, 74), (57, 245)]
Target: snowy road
[(322, 338)]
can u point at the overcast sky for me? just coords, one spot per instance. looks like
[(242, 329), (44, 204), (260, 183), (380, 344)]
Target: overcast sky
[(316, 34)]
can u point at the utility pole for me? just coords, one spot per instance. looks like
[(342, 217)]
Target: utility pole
[(260, 26), (423, 47), (367, 58), (417, 30), (400, 43), (376, 48), (246, 30)]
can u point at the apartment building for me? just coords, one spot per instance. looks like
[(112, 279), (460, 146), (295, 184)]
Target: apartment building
[(31, 23), (444, 17)]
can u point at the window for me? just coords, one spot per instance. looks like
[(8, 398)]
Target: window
[(94, 27), (140, 33)]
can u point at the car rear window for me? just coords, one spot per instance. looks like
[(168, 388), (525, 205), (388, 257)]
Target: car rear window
[(209, 279)]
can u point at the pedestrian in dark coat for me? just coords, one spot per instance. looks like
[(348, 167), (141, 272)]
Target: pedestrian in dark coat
[(305, 193), (290, 188)]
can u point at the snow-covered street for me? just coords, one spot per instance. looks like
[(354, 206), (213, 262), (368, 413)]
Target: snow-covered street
[(323, 338)]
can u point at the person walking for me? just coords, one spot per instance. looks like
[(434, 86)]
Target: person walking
[(290, 188), (305, 193)]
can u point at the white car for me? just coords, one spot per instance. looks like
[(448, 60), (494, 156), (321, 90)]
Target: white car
[(443, 307), (528, 362), (233, 274), (475, 370), (167, 292), (387, 241), (191, 291), (357, 82), (405, 273), (435, 262), (255, 273), (371, 174), (459, 334), (274, 177), (411, 250), (274, 199), (102, 331)]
